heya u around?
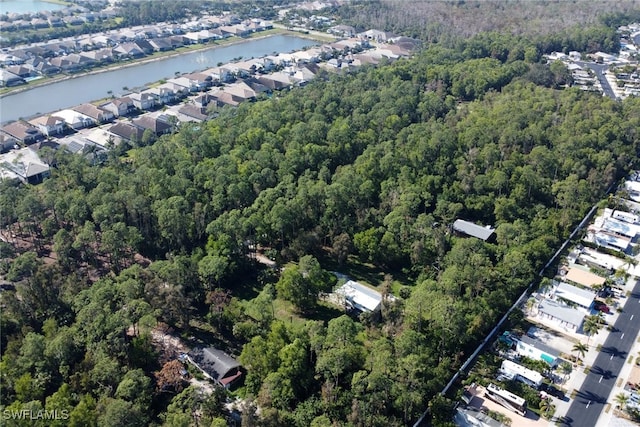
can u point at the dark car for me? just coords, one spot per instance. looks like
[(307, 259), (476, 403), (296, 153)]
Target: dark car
[(602, 307), (552, 390)]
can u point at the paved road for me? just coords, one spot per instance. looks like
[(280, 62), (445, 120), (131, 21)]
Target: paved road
[(599, 70), (595, 390)]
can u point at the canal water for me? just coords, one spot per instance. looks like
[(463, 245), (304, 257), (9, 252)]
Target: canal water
[(71, 92), (27, 6)]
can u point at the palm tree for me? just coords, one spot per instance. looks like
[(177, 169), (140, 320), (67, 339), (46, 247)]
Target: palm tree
[(546, 407), (580, 349), (591, 326), (531, 304), (622, 399), (566, 369)]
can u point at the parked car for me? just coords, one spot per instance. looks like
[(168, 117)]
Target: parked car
[(602, 307)]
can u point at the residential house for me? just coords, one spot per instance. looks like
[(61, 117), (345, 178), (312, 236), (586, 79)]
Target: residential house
[(573, 296), (162, 44), (144, 46), (189, 84), (535, 349), (221, 74), (99, 56), (119, 106), (216, 365), (127, 132), (128, 50), (358, 297), (21, 71), (193, 113), (626, 217), (165, 93), (142, 101), (75, 120), (225, 98), (471, 416), (377, 35), (560, 315), (49, 124), (8, 78), (42, 66), (276, 81), (98, 114), (342, 30), (467, 228), (7, 142), (202, 80), (241, 90), (66, 64), (24, 165), (584, 277), (238, 30), (23, 132), (158, 125), (202, 100), (513, 371)]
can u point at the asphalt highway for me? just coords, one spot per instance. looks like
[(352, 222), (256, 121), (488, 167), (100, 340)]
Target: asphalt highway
[(595, 390)]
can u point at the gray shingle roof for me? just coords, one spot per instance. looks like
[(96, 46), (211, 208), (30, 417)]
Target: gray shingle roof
[(473, 230)]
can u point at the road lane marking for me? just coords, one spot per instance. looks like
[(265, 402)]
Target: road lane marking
[(622, 336), (588, 404), (600, 380), (631, 318), (611, 358)]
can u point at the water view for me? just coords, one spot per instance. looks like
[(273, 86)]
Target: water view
[(67, 93), (26, 6)]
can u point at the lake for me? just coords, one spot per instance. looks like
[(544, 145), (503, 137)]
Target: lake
[(81, 89), (26, 6)]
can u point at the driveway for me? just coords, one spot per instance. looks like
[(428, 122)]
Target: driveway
[(597, 386)]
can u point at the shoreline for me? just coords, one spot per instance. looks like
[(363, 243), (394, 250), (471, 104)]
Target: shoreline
[(134, 63)]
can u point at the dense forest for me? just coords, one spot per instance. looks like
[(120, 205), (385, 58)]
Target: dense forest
[(361, 171)]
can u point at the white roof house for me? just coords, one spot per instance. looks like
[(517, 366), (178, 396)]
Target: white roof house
[(620, 227), (581, 297), (514, 371), (565, 317), (612, 241), (24, 165), (75, 119), (359, 296), (626, 217)]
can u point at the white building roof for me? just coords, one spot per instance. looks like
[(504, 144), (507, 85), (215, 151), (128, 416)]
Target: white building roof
[(362, 297), (512, 369), (471, 229), (620, 227), (581, 297), (561, 313), (21, 164), (626, 217), (609, 240)]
